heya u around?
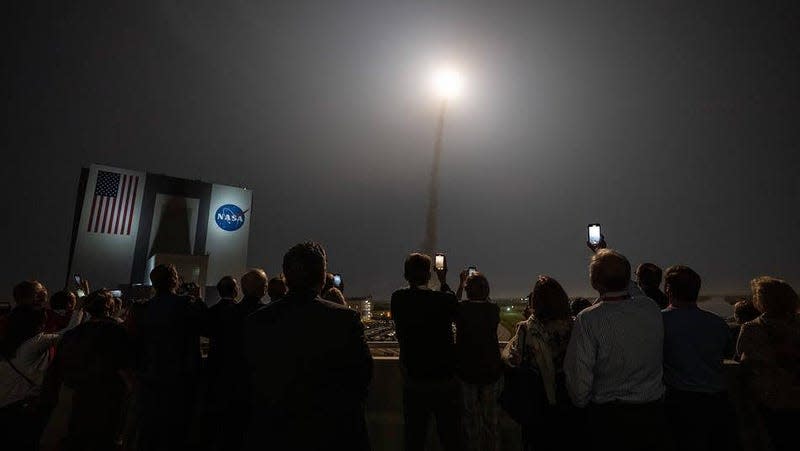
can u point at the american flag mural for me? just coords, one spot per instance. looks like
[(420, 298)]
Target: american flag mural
[(113, 203)]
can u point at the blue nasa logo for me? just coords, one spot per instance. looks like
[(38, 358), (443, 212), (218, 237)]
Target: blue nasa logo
[(229, 217)]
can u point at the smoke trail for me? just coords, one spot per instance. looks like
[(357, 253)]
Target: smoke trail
[(431, 224)]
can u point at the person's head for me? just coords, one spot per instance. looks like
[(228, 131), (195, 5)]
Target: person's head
[(304, 267), (548, 300), (681, 284), (276, 288), (774, 297), (63, 300), (477, 287), (577, 305), (100, 304), (165, 279), (24, 322), (648, 275), (744, 311), (418, 269), (254, 283), (30, 292), (334, 295), (228, 287), (609, 271)]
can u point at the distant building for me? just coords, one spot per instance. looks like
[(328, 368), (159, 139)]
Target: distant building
[(363, 305)]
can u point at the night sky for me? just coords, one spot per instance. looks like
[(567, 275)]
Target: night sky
[(675, 126)]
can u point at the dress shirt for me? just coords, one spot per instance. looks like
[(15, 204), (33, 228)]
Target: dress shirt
[(615, 351)]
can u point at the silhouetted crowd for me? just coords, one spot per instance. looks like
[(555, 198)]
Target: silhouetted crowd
[(634, 369)]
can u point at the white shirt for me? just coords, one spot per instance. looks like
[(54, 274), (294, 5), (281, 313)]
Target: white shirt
[(616, 350)]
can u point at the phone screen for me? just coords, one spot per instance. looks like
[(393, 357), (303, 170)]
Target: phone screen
[(594, 233), (77, 279), (471, 271), (337, 280), (439, 262), (116, 293)]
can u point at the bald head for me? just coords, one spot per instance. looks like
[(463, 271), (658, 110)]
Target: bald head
[(609, 271), (254, 283)]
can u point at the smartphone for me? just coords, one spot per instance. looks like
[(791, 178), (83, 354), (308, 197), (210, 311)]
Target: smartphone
[(77, 278), (594, 234), (438, 262), (471, 271), (337, 280), (116, 293)]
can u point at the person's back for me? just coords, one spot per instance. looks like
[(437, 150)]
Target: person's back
[(613, 363), (94, 360), (424, 325), (167, 335), (648, 278), (310, 365), (423, 321), (695, 344), (629, 334), (769, 347), (169, 330), (477, 349)]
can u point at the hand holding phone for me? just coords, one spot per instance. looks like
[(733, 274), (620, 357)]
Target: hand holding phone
[(596, 239), (471, 271), (337, 280), (439, 263)]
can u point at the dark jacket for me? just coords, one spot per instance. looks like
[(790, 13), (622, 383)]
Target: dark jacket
[(310, 368), (168, 338), (477, 349), (424, 324)]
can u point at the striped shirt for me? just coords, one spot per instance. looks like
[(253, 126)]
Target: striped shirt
[(615, 351)]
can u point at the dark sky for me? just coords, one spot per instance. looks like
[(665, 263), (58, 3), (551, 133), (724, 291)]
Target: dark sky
[(675, 126)]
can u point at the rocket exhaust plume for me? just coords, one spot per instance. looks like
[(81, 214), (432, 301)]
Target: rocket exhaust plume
[(431, 224)]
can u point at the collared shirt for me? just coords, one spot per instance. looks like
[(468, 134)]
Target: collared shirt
[(695, 344), (615, 351)]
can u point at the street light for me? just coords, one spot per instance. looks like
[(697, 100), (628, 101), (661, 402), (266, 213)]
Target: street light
[(447, 85)]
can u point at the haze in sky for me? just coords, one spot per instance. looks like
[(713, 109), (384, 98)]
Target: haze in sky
[(674, 126)]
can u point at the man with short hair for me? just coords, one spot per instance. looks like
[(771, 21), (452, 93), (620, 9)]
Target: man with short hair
[(276, 288), (229, 385), (423, 321), (613, 363), (648, 277), (310, 365), (695, 345), (168, 335)]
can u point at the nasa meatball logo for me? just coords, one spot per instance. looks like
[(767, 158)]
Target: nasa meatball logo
[(229, 217)]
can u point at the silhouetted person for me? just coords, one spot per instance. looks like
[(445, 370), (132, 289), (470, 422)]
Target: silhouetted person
[(769, 348), (613, 363), (648, 277), (27, 292), (423, 321), (743, 311), (478, 364), (540, 344), (168, 328), (232, 386), (95, 359), (695, 345), (578, 305), (276, 288), (309, 388), (217, 315), (334, 295), (62, 304), (24, 359)]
